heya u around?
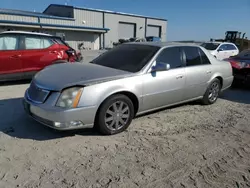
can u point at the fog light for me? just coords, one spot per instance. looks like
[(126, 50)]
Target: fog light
[(68, 124)]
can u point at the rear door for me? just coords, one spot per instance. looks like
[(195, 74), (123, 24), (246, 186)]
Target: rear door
[(38, 52), (232, 49), (198, 72), (10, 57)]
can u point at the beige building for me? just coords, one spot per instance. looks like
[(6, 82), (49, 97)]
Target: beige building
[(93, 28)]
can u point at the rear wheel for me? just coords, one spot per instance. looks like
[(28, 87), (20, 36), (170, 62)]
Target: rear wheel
[(115, 115), (212, 92)]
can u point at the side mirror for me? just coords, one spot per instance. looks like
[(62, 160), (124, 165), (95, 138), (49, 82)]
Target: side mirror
[(160, 66), (219, 50)]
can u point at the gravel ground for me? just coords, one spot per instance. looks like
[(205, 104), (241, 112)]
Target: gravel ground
[(185, 146)]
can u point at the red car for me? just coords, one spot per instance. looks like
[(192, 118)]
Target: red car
[(23, 54)]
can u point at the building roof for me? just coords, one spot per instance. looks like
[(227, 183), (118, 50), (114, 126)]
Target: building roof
[(106, 11), (30, 13), (44, 15)]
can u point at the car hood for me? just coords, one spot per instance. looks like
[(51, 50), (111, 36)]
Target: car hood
[(60, 76)]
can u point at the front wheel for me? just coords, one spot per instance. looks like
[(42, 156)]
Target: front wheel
[(212, 92), (115, 115)]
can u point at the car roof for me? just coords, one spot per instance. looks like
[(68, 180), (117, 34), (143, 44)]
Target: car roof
[(164, 44), (25, 32), (216, 42)]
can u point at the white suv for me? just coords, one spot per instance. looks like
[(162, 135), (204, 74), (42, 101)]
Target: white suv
[(221, 50)]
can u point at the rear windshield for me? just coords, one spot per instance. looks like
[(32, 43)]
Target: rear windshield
[(210, 46), (244, 54), (127, 57)]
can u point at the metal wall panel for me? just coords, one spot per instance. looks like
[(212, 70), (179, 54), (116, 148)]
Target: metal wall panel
[(163, 25), (88, 18), (18, 18), (73, 38), (57, 21), (126, 30), (153, 31), (112, 22)]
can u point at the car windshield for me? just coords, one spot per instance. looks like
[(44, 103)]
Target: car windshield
[(127, 57), (210, 46)]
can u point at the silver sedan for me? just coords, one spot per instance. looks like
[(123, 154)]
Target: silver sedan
[(129, 80)]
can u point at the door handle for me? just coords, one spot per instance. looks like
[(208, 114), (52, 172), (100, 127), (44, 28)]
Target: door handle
[(15, 56), (179, 76), (209, 72)]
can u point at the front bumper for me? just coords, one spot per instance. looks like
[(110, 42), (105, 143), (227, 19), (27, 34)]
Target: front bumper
[(59, 118)]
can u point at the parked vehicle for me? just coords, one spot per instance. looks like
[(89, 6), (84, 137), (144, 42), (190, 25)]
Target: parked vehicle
[(235, 37), (129, 80), (221, 50), (153, 39), (241, 67), (135, 39), (22, 54)]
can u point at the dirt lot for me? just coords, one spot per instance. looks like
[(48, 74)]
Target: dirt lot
[(185, 146)]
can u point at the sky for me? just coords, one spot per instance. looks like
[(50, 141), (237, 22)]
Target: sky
[(187, 19)]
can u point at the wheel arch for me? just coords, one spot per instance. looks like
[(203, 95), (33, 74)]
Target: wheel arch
[(128, 94), (219, 77)]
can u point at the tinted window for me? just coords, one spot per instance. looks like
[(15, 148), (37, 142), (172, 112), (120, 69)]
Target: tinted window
[(210, 46), (230, 47), (192, 56), (127, 57), (35, 42), (204, 57), (8, 43), (244, 54), (171, 56), (223, 47)]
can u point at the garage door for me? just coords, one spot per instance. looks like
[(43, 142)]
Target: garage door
[(126, 30), (153, 30)]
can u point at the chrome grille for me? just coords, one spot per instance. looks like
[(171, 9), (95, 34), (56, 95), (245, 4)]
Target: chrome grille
[(36, 94)]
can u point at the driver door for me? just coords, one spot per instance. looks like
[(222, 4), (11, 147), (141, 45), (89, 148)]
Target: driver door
[(164, 87), (222, 52)]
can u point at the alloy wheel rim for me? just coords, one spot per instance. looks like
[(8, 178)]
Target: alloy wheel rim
[(214, 92), (117, 115)]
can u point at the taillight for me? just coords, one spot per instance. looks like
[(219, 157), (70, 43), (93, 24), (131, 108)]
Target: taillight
[(239, 65)]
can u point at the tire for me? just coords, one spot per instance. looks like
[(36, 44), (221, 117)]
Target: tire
[(109, 120), (212, 93)]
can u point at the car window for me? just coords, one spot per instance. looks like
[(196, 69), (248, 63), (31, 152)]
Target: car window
[(192, 56), (223, 47), (204, 58), (8, 42), (231, 47), (47, 42), (127, 57), (171, 56), (36, 42)]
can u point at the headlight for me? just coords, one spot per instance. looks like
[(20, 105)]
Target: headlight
[(70, 97)]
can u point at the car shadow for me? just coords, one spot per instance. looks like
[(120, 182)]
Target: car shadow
[(19, 82), (239, 94), (16, 123)]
